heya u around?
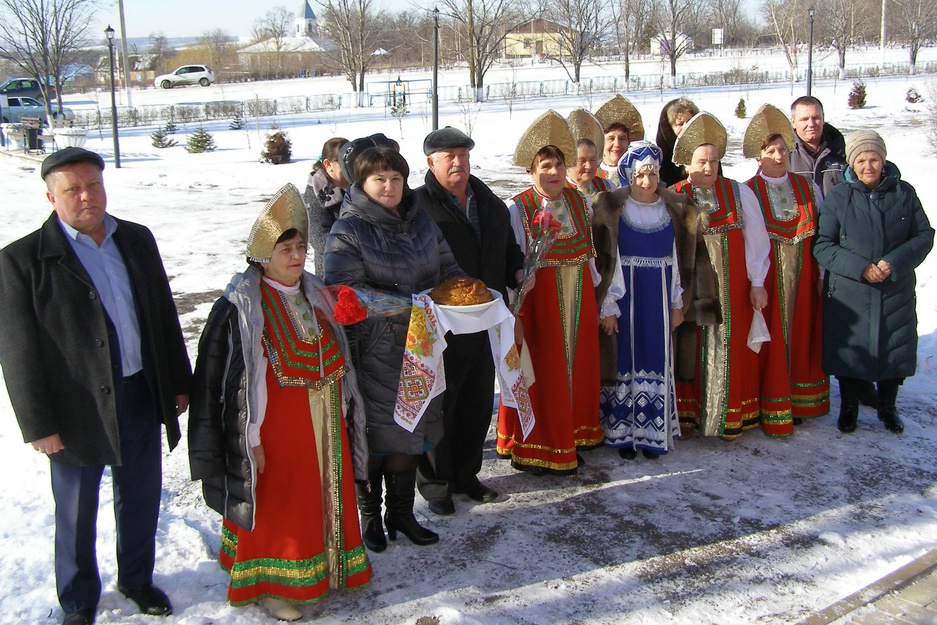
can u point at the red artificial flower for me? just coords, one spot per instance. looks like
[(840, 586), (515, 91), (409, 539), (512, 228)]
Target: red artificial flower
[(349, 309), (546, 222)]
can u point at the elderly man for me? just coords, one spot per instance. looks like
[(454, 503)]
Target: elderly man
[(820, 150), (94, 363), (476, 225)]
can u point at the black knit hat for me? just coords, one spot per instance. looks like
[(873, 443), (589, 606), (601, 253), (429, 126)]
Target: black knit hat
[(447, 138), (351, 150), (69, 155)]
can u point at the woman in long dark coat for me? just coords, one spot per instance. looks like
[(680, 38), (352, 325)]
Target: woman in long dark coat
[(872, 235)]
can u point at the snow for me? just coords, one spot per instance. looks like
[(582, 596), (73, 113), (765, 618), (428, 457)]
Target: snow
[(753, 531)]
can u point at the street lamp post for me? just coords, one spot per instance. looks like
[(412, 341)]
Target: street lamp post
[(810, 13), (436, 69), (109, 33)]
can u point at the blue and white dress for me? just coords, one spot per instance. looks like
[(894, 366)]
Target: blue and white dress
[(640, 411)]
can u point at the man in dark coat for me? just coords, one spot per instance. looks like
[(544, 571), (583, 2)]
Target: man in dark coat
[(477, 227), (94, 361), (819, 152)]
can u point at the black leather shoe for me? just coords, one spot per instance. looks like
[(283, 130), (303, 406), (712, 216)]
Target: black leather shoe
[(442, 506), (627, 453), (81, 617), (150, 599), (479, 492), (650, 455)]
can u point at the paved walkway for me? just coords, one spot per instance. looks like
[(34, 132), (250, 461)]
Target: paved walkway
[(906, 597)]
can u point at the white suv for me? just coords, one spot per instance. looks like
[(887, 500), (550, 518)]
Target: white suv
[(187, 75)]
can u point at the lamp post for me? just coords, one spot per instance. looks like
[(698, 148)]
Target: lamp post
[(810, 13), (436, 69), (109, 33)]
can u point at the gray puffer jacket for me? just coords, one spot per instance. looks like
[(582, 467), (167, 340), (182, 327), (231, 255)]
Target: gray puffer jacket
[(870, 330), (369, 246)]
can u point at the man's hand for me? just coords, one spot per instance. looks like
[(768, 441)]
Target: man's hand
[(259, 458), (758, 297), (48, 445), (609, 325), (182, 403)]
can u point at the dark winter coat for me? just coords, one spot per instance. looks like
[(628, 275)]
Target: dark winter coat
[(697, 277), (826, 167), (494, 257), (323, 202), (870, 330), (370, 246), (58, 347), (225, 398)]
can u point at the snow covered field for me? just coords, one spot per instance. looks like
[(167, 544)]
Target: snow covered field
[(753, 531)]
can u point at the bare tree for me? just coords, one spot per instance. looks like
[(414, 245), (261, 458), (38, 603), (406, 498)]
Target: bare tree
[(841, 22), (486, 23), (581, 25), (275, 26), (916, 23), (629, 18), (731, 16), (217, 44), (41, 37), (159, 48), (786, 23), (352, 25), (672, 21)]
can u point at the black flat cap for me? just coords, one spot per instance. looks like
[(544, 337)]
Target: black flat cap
[(350, 151), (447, 138), (69, 155)]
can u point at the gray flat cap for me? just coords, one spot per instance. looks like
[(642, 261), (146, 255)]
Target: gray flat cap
[(447, 138)]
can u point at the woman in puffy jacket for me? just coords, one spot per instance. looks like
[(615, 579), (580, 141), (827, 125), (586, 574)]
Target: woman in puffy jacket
[(269, 436), (872, 234), (383, 241)]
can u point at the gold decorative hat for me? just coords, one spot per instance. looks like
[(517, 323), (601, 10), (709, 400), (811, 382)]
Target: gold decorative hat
[(702, 129), (283, 211), (769, 120), (584, 125), (618, 109), (548, 129)]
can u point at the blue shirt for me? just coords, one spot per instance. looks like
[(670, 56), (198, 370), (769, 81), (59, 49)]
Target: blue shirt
[(106, 268)]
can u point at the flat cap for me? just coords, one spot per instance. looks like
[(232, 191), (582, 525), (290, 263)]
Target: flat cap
[(69, 155), (447, 138)]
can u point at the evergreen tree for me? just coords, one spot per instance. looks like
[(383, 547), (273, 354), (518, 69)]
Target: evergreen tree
[(238, 122), (857, 95), (279, 148), (200, 141), (740, 111), (161, 140), (170, 128)]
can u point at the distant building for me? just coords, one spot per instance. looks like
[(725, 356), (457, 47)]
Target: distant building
[(660, 44), (301, 54), (142, 69), (537, 37), (307, 24)]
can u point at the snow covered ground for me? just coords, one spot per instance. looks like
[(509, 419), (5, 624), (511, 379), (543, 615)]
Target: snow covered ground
[(753, 531)]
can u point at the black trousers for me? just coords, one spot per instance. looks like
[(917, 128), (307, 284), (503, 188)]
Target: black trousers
[(137, 488), (467, 407)]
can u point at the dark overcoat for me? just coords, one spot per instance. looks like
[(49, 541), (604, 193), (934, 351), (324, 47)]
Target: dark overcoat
[(870, 330), (369, 246), (56, 342)]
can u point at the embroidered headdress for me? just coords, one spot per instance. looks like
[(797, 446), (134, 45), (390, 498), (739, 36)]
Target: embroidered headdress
[(619, 110), (640, 155), (769, 120), (283, 211), (702, 129), (548, 129)]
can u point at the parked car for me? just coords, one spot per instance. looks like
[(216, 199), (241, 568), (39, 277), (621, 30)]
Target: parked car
[(12, 110), (28, 87), (187, 75)]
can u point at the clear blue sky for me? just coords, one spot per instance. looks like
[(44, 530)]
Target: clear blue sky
[(188, 18)]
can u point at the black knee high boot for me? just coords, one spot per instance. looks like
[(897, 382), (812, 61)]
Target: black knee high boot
[(887, 411), (399, 515), (849, 405), (369, 505)]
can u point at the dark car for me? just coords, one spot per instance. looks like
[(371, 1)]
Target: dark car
[(28, 87)]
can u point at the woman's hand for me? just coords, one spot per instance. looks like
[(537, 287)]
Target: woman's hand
[(676, 318), (259, 458), (758, 297), (876, 273), (529, 285), (609, 325), (518, 331)]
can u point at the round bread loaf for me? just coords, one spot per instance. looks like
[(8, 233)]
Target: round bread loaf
[(461, 292)]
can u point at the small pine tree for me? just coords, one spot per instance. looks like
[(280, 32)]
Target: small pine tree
[(238, 122), (161, 140), (913, 97), (857, 95), (170, 128), (740, 109), (279, 148), (200, 141)]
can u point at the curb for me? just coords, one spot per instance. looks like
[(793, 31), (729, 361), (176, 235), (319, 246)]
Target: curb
[(893, 582)]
